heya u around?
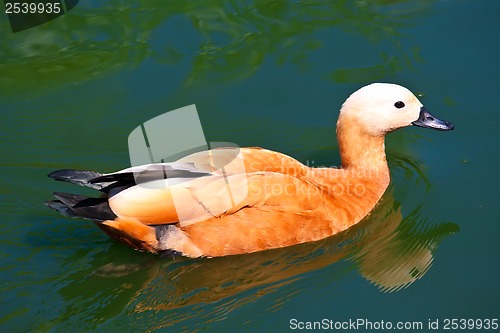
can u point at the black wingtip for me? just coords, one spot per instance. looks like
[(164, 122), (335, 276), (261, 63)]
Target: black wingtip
[(78, 177), (65, 174)]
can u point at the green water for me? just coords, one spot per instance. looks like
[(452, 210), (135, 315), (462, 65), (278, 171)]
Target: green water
[(270, 73)]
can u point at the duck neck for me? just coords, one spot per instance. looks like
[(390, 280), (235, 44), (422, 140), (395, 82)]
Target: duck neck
[(361, 151)]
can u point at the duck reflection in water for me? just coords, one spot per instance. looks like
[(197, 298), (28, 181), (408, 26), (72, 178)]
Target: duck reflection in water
[(388, 250)]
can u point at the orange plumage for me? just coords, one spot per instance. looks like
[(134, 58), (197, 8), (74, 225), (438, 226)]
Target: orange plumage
[(283, 202)]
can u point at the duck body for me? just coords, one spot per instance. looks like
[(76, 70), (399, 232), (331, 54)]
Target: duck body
[(281, 202)]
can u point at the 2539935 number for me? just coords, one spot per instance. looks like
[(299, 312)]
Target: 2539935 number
[(32, 8), (470, 324)]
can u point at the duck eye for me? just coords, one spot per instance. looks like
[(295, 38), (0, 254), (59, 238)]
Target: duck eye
[(399, 104)]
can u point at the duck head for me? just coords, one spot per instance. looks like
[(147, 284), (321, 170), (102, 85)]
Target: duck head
[(380, 108)]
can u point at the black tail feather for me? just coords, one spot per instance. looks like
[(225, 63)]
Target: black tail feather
[(78, 206), (69, 198)]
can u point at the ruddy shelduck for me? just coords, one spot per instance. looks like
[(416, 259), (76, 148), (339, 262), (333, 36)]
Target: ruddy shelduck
[(282, 202)]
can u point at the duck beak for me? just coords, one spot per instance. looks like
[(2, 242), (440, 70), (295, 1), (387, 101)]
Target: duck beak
[(428, 120)]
